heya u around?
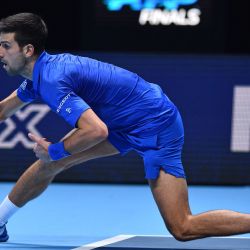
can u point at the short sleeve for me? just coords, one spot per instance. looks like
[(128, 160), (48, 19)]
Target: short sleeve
[(26, 92), (70, 107), (62, 99)]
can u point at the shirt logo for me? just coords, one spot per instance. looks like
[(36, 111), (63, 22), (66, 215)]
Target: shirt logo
[(68, 110), (24, 84), (63, 101)]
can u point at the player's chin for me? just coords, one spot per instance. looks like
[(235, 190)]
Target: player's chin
[(11, 72)]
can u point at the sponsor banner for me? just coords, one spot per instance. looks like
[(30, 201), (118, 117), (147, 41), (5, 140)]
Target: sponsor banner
[(211, 92), (160, 12), (158, 25)]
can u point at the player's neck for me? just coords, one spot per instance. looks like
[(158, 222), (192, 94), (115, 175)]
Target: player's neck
[(27, 71)]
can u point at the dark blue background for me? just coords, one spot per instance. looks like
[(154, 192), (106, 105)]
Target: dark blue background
[(202, 88)]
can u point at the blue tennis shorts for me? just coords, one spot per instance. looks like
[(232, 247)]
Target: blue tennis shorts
[(159, 151)]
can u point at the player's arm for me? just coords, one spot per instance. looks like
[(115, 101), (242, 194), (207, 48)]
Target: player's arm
[(91, 131), (10, 105)]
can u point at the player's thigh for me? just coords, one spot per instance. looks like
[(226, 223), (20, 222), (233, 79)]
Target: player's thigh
[(171, 196)]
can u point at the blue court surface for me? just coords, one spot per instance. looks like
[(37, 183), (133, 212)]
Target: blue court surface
[(86, 216)]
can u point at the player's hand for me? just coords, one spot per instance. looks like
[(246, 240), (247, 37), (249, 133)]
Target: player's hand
[(41, 147)]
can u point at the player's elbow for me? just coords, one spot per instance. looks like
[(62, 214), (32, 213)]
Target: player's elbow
[(2, 115), (101, 132), (2, 118), (96, 133)]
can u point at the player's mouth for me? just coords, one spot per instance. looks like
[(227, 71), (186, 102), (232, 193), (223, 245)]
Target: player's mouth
[(4, 64)]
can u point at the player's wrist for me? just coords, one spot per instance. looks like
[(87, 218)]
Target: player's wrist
[(57, 151)]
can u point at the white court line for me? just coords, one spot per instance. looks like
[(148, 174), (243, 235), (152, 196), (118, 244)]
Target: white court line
[(104, 242), (125, 237)]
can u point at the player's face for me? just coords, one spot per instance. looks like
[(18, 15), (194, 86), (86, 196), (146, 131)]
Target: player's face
[(11, 55)]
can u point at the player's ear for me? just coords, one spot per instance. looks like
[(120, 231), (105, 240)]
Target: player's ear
[(28, 50)]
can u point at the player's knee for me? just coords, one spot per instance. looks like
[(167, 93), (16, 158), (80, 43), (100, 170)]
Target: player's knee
[(180, 230), (180, 233)]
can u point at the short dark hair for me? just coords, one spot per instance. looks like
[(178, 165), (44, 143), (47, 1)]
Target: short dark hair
[(29, 28)]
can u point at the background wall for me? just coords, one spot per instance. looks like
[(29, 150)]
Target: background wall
[(89, 25), (203, 68)]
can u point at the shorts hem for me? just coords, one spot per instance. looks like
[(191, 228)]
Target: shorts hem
[(156, 175)]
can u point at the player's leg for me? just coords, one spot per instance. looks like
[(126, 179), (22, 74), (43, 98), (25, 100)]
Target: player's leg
[(39, 175), (171, 196)]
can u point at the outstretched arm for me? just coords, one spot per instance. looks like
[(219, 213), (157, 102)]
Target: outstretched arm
[(10, 105), (91, 131)]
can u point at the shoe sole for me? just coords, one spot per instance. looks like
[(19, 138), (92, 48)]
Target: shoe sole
[(4, 237)]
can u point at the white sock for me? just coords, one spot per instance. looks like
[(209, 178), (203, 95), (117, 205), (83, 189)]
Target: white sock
[(7, 209)]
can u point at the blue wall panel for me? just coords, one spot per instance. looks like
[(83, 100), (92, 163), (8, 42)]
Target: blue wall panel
[(201, 86)]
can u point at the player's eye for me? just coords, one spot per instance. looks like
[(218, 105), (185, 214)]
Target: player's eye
[(5, 45)]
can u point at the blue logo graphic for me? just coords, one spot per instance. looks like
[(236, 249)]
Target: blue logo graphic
[(137, 5)]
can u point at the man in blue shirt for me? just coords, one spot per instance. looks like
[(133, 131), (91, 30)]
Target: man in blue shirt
[(112, 111)]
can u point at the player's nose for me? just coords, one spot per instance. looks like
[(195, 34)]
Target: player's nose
[(1, 52)]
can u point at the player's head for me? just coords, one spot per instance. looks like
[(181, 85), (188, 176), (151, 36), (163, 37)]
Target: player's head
[(28, 28), (22, 39)]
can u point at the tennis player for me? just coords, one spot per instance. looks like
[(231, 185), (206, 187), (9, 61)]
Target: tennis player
[(111, 111)]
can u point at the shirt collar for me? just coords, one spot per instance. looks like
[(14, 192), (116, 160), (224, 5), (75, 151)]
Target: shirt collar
[(36, 71)]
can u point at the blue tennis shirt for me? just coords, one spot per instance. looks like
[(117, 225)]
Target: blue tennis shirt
[(72, 84)]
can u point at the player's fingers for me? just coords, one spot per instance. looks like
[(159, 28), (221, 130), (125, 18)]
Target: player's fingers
[(33, 137), (35, 147), (37, 139)]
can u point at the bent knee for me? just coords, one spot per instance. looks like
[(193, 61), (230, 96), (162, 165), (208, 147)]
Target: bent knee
[(181, 231), (180, 235)]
